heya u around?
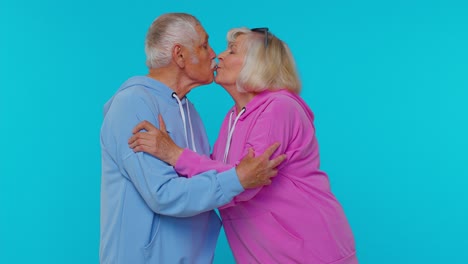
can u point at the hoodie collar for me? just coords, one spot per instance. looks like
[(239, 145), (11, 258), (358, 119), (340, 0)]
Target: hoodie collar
[(258, 101)]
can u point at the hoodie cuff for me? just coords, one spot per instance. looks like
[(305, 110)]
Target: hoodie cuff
[(186, 161), (230, 184)]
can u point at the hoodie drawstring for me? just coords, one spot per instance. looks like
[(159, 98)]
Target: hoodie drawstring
[(231, 132), (191, 129), (182, 113)]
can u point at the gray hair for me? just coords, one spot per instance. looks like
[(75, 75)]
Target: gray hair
[(265, 68), (166, 31)]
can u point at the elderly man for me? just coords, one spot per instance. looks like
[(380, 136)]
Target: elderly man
[(149, 213)]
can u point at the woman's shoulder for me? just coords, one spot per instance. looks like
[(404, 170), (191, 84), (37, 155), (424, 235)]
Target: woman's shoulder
[(289, 104), (283, 99)]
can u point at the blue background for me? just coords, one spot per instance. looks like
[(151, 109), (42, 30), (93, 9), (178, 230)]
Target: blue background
[(387, 81)]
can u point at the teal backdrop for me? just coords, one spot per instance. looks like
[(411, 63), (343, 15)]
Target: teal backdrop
[(387, 81)]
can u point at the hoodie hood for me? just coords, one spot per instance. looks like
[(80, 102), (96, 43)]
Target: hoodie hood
[(162, 91), (266, 96), (146, 82)]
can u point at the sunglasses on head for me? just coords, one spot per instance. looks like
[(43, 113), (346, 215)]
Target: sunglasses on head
[(263, 30)]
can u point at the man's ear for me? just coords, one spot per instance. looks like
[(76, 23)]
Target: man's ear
[(178, 55)]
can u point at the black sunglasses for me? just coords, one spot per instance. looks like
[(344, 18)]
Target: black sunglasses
[(262, 30)]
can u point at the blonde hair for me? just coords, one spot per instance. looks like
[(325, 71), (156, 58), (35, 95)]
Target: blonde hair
[(270, 67), (166, 31)]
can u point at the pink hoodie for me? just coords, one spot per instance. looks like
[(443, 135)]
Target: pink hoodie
[(296, 219)]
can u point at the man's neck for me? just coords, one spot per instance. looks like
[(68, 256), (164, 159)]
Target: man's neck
[(172, 79)]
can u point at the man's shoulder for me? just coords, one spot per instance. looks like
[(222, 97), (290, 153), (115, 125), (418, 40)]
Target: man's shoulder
[(132, 91), (133, 99), (142, 88)]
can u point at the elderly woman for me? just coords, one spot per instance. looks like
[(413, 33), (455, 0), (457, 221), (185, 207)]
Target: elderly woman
[(296, 219)]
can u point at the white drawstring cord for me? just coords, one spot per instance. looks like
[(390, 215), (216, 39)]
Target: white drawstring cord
[(191, 129), (183, 121), (230, 133)]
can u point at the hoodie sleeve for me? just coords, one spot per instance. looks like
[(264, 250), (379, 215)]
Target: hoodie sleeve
[(158, 183), (191, 163)]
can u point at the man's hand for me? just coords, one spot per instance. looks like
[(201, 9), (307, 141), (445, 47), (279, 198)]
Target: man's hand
[(257, 171), (156, 142)]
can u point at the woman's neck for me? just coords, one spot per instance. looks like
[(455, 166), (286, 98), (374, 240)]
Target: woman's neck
[(242, 99)]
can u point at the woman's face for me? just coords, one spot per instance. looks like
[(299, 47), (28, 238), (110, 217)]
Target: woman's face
[(230, 63)]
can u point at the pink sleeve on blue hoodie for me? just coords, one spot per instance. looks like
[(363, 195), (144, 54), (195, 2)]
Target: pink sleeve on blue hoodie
[(185, 164)]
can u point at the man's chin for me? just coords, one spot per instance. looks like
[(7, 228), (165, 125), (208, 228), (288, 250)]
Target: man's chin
[(205, 82), (210, 80)]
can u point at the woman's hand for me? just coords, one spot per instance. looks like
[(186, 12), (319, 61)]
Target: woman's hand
[(154, 141)]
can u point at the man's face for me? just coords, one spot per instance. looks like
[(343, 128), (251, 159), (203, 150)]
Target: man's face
[(200, 66)]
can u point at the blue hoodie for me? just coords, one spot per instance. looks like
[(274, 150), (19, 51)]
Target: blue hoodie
[(149, 213)]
